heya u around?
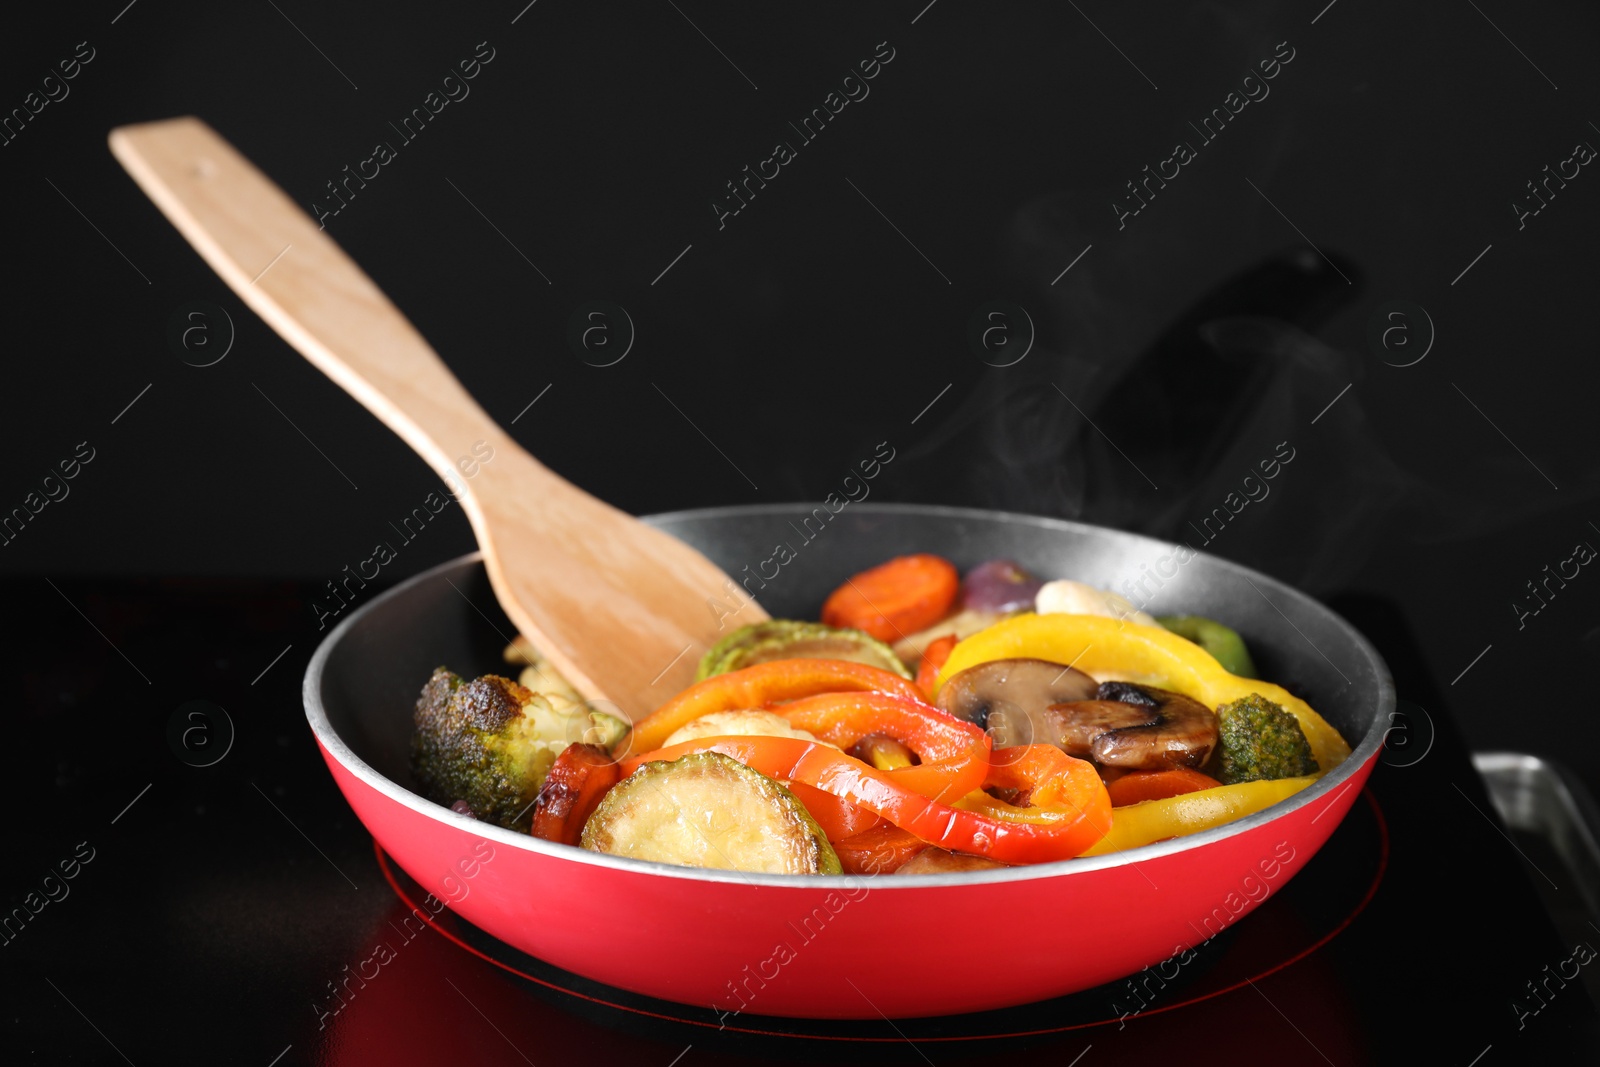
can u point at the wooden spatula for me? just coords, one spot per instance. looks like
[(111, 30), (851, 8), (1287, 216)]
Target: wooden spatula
[(622, 610)]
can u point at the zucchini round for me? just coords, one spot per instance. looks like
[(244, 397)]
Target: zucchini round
[(707, 810), (763, 642)]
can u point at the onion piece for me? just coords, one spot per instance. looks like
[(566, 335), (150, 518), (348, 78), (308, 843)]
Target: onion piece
[(1000, 586)]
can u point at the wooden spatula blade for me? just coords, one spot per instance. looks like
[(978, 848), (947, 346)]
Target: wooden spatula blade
[(623, 610)]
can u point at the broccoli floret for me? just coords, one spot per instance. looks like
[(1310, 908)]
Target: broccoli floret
[(491, 742), (1259, 740), (465, 747)]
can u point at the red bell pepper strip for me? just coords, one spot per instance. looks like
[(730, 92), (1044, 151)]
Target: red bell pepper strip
[(883, 849), (954, 753), (577, 780), (1071, 810), (764, 683), (1066, 799), (840, 820), (932, 659)]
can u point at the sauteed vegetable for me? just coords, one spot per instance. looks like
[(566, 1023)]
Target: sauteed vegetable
[(1046, 720)]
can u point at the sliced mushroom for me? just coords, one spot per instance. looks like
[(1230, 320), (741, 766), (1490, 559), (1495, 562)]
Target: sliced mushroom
[(933, 860), (1138, 727), (1014, 698), (1084, 721)]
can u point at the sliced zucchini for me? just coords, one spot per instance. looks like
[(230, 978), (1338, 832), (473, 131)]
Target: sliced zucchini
[(708, 810), (963, 624), (763, 642), (749, 723)]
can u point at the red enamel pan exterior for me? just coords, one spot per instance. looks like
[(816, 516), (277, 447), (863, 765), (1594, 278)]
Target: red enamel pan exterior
[(843, 947)]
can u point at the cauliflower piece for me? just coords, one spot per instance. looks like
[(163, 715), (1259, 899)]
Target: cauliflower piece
[(737, 724), (1066, 597), (538, 673)]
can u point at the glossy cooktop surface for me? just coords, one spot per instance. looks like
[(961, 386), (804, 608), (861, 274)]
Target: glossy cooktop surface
[(201, 893)]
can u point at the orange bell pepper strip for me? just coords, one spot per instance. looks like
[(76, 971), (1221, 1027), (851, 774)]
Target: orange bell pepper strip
[(753, 687)]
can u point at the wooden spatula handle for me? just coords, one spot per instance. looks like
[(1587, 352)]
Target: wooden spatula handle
[(294, 276)]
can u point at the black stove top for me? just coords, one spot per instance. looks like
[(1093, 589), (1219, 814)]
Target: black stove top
[(185, 884)]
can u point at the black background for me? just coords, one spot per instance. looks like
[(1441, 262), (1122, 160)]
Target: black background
[(808, 329), (830, 313)]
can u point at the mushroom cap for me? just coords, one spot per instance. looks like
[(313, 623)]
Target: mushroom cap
[(1139, 727), (1012, 698)]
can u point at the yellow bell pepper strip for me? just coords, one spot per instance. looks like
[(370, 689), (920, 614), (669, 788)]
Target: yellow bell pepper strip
[(1102, 646), (764, 683), (1156, 820)]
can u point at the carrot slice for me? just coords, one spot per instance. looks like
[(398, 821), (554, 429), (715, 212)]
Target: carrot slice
[(932, 660), (893, 599), (1140, 786)]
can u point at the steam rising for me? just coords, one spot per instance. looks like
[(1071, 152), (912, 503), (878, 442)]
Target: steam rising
[(1144, 422)]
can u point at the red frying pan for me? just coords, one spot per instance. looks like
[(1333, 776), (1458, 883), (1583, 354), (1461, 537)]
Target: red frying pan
[(843, 946)]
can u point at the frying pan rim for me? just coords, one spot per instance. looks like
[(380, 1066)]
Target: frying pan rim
[(1331, 784)]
